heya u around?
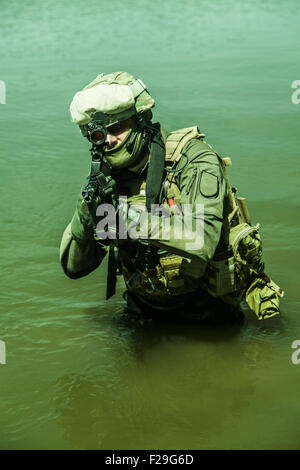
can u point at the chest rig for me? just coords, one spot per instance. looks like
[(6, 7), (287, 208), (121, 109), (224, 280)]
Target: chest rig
[(159, 279)]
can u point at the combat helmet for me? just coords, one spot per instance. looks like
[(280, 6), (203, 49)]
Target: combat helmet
[(118, 96)]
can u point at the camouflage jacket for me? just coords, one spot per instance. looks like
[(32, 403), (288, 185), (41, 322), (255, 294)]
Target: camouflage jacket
[(197, 184)]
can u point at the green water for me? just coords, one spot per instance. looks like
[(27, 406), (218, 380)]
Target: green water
[(75, 376)]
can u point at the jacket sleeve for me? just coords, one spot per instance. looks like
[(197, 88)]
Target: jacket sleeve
[(80, 251), (195, 232)]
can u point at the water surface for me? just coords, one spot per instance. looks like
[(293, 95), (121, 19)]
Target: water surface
[(79, 376)]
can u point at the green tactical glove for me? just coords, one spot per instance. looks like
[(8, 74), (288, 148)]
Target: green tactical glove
[(82, 224)]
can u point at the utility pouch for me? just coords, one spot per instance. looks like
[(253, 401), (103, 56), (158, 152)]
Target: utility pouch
[(247, 248), (232, 271), (263, 297), (162, 282), (220, 274)]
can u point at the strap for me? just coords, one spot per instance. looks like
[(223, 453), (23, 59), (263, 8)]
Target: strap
[(155, 170), (137, 88), (226, 162), (112, 270)]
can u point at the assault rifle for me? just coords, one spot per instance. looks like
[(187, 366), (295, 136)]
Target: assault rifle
[(100, 187)]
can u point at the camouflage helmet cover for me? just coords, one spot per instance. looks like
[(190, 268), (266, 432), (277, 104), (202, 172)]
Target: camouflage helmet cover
[(119, 95)]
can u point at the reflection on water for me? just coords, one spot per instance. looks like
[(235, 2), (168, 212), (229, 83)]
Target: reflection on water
[(171, 385)]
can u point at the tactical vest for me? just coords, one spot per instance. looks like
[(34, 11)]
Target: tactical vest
[(233, 276)]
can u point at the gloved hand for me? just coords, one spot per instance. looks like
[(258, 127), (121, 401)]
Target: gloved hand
[(82, 224)]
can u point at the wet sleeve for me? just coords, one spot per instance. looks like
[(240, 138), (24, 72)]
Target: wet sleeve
[(80, 252), (195, 232)]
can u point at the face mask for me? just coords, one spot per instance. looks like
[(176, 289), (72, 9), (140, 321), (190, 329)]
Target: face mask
[(128, 152)]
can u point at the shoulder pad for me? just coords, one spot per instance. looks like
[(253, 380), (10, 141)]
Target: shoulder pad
[(176, 140)]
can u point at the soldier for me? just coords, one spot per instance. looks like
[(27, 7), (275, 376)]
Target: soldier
[(185, 229)]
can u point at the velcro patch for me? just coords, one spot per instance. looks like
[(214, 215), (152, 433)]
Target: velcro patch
[(209, 184)]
